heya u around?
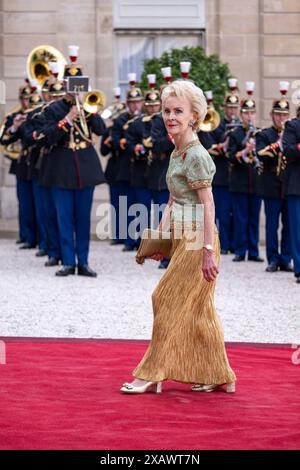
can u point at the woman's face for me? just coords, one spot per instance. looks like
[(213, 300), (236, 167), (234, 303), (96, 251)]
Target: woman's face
[(177, 114)]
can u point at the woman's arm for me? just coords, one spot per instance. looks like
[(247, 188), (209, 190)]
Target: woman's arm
[(164, 223), (166, 217), (209, 264)]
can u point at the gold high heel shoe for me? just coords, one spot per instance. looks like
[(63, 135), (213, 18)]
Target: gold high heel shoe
[(230, 387), (149, 386)]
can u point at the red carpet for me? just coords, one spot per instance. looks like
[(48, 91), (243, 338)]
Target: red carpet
[(65, 395)]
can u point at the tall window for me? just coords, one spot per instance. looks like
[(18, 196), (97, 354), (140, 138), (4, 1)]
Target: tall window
[(146, 28), (133, 49)]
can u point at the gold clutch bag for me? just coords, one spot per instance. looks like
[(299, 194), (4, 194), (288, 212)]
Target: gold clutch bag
[(154, 241)]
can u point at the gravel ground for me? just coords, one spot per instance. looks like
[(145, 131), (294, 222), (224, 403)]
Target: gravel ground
[(253, 305)]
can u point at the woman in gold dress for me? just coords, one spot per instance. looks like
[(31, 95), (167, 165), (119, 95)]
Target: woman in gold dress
[(187, 342)]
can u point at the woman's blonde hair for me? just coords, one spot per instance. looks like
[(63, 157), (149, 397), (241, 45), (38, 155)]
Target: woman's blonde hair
[(194, 94)]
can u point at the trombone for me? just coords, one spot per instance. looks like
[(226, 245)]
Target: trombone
[(93, 102)]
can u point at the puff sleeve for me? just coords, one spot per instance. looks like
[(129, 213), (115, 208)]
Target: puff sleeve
[(199, 168)]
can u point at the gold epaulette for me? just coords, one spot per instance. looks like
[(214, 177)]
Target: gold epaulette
[(15, 110), (130, 121), (266, 152), (122, 111), (148, 142), (148, 118), (44, 106)]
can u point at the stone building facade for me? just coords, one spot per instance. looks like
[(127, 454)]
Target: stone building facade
[(258, 38)]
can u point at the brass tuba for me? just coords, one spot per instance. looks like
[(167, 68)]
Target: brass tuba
[(38, 63), (211, 121)]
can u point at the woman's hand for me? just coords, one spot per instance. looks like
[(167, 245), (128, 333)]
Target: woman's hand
[(209, 265), (156, 257)]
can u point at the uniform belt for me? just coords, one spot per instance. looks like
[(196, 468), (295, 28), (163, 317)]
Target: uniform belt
[(77, 146)]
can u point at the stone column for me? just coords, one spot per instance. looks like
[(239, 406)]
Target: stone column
[(280, 47), (234, 35), (105, 65)]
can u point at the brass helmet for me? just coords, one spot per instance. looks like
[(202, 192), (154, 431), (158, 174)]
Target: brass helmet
[(24, 91), (282, 105), (152, 97), (57, 89), (35, 100), (134, 94), (248, 104)]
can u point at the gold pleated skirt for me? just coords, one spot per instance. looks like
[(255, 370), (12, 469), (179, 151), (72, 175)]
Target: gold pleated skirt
[(187, 342)]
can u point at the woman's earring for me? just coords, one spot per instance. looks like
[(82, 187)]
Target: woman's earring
[(191, 124)]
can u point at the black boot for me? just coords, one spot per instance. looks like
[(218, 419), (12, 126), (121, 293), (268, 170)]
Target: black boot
[(272, 268), (86, 271), (52, 262), (238, 258), (116, 242), (128, 248), (41, 253), (65, 271), (286, 267), (255, 258), (27, 246)]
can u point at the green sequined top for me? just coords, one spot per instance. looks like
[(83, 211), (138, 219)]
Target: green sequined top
[(189, 170)]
